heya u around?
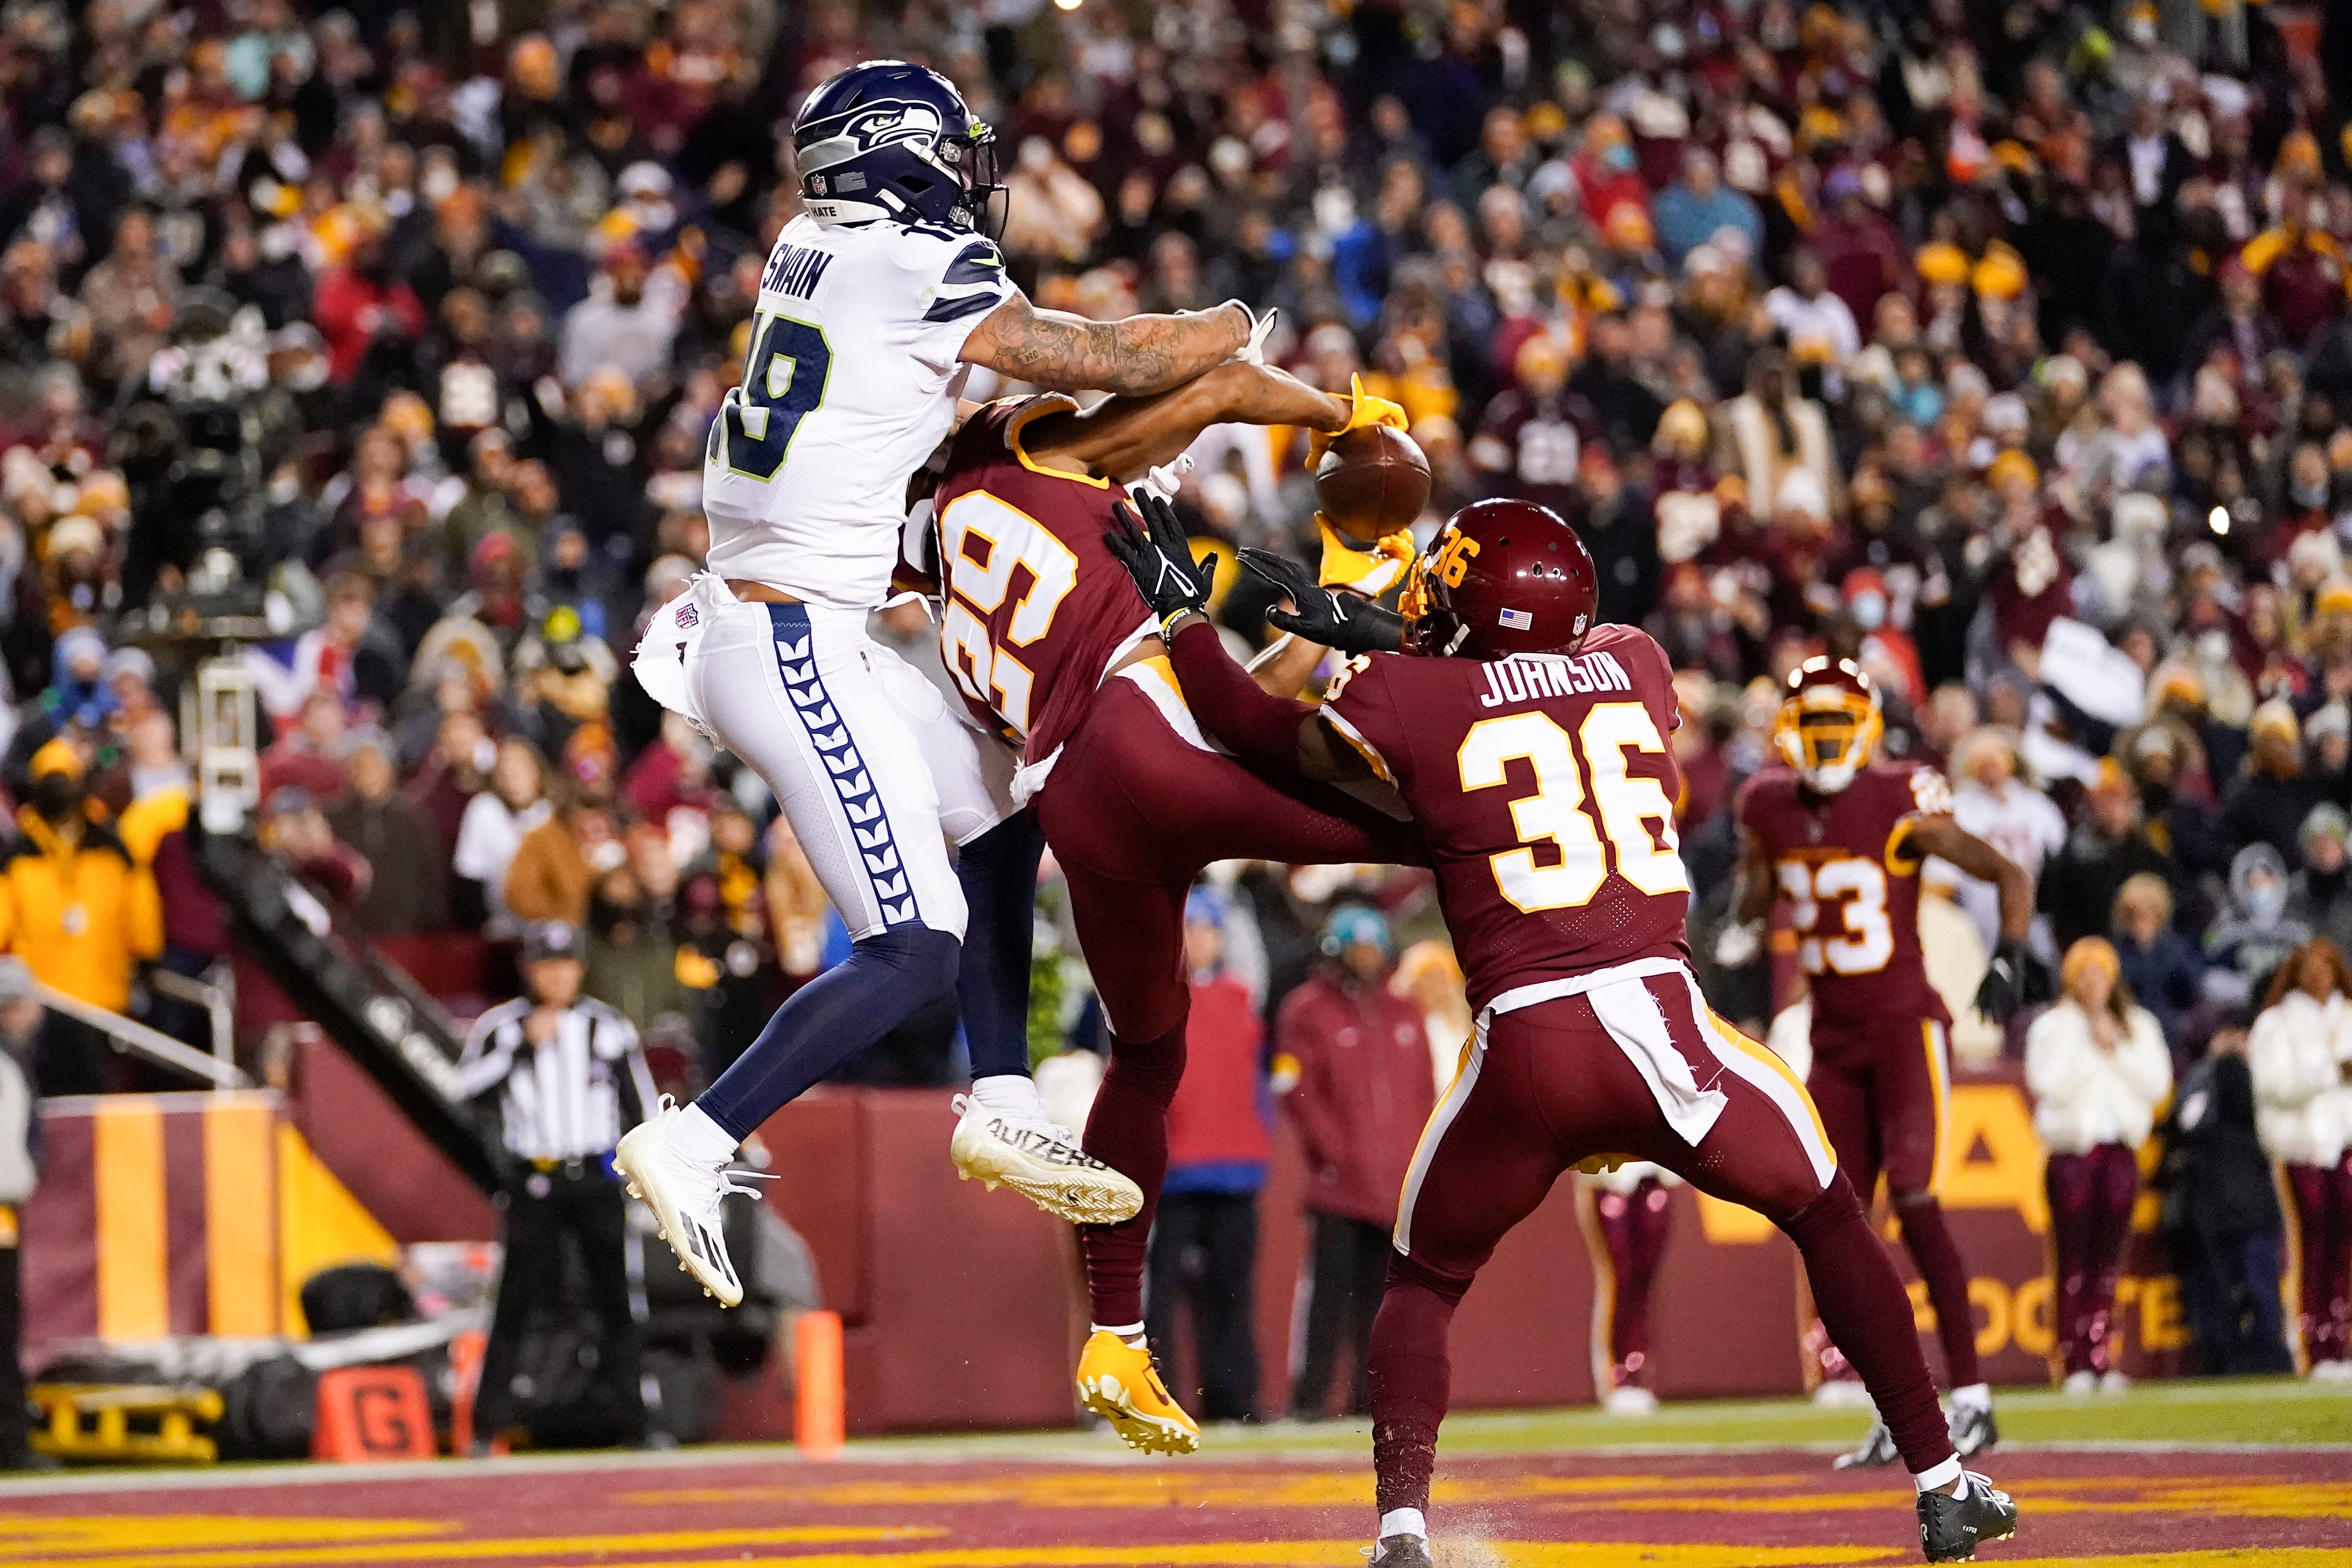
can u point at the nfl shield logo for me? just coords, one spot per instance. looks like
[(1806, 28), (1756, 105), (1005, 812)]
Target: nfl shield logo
[(1518, 620), (688, 616)]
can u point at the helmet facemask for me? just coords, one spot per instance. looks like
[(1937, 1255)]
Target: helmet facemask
[(1827, 735)]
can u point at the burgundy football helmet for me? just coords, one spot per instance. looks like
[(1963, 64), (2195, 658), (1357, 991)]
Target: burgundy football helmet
[(1829, 722), (1502, 577)]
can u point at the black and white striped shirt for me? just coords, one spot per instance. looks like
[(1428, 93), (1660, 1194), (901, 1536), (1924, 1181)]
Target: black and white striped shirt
[(565, 1099)]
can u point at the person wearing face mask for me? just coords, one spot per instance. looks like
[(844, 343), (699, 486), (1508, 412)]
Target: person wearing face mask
[(2254, 933), (555, 868), (77, 910), (2299, 1050), (1607, 172), (2321, 892), (1867, 603), (2268, 800)]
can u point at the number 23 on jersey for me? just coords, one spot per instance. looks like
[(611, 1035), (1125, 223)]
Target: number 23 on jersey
[(1623, 818)]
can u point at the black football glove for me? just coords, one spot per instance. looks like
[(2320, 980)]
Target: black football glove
[(2006, 981), (1147, 538), (1341, 621)]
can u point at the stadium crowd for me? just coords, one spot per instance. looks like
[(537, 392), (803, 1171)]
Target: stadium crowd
[(2006, 349)]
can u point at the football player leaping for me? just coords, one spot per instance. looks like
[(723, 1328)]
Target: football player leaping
[(1531, 746), (1841, 838), (873, 303)]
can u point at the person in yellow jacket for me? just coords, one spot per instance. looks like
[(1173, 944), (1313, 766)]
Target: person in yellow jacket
[(78, 911)]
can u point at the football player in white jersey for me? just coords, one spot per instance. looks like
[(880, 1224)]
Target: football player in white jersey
[(872, 304)]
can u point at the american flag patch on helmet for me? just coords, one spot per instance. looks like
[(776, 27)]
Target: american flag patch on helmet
[(1518, 620)]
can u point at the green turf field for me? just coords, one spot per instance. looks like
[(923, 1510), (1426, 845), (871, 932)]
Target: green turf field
[(2189, 1413)]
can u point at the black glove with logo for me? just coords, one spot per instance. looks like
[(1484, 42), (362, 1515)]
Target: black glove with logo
[(2007, 982), (1148, 540), (1341, 621)]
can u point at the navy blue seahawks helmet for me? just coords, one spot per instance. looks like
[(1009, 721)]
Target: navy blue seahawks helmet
[(890, 140)]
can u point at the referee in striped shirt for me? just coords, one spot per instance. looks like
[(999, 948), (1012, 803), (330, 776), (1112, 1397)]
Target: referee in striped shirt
[(570, 1079)]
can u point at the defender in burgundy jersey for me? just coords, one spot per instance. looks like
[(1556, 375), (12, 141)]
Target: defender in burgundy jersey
[(1047, 638), (1532, 748), (1842, 840)]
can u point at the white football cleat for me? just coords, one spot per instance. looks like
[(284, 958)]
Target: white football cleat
[(1629, 1400), (1042, 1161), (2080, 1384), (685, 1196)]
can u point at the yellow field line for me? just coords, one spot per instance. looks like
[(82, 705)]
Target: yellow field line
[(606, 1548)]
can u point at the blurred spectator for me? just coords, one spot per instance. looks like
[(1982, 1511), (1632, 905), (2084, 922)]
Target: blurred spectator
[(2097, 1068), (633, 957), (2254, 933), (1428, 976), (2221, 1217), (553, 872), (2107, 848), (1697, 207), (294, 829), (497, 821), (2299, 1051), (2267, 803), (629, 320), (308, 755), (21, 1015), (78, 911), (1203, 1261), (408, 891), (2162, 968), (1991, 801), (2322, 896), (1357, 1059)]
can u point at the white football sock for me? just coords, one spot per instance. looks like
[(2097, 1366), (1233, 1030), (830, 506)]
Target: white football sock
[(698, 1138), (1972, 1396), (1404, 1521), (1938, 1477), (1130, 1334), (1010, 1094)]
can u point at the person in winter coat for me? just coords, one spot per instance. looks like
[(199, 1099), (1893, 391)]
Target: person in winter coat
[(2221, 1217), (2266, 802), (2097, 1067), (2162, 968), (2303, 1111), (2106, 847), (2322, 895), (1358, 1057), (1220, 1141), (2254, 933)]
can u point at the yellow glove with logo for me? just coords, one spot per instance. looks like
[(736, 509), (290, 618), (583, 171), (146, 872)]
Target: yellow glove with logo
[(1363, 409), (1369, 571)]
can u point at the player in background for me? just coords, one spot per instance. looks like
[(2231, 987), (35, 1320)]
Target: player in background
[(873, 303), (1531, 747), (1843, 838), (1045, 633)]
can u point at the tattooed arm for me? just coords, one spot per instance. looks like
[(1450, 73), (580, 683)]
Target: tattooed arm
[(1139, 356)]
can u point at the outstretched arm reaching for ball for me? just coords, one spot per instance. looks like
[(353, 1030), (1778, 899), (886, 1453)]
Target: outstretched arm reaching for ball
[(1262, 728), (1137, 356), (1123, 438)]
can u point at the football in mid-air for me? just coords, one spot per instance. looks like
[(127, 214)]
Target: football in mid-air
[(1371, 482)]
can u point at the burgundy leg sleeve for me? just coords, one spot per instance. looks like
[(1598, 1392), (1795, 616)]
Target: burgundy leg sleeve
[(2066, 1178), (1127, 1131), (1412, 1378), (1937, 1259), (1862, 1304)]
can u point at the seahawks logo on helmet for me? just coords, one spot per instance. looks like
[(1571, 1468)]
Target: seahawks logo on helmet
[(894, 121)]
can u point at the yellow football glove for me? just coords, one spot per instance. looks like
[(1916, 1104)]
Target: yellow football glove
[(1363, 409), (1601, 1165), (1369, 571)]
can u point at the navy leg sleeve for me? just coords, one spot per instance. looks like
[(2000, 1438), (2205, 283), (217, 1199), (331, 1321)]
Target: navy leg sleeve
[(999, 872), (887, 980)]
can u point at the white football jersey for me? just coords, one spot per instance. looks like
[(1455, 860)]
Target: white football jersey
[(850, 384)]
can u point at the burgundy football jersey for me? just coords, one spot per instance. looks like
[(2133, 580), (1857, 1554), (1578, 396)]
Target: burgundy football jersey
[(1846, 865), (1037, 607), (1545, 787), (1535, 445)]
